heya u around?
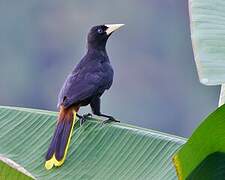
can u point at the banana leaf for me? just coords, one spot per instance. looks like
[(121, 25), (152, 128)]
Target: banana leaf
[(203, 155), (97, 151), (207, 20)]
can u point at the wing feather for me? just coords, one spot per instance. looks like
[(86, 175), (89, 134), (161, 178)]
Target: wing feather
[(78, 87)]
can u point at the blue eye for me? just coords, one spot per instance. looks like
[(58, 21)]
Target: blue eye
[(100, 31)]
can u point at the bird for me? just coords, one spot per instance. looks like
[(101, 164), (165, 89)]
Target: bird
[(90, 78)]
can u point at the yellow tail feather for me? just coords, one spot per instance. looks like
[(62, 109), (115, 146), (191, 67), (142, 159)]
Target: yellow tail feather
[(53, 161)]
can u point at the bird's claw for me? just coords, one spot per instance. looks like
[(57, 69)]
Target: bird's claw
[(84, 117), (82, 120), (87, 115), (110, 119)]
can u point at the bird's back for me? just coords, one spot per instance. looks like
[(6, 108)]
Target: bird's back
[(92, 76)]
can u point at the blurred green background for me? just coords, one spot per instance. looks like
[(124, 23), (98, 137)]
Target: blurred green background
[(155, 85)]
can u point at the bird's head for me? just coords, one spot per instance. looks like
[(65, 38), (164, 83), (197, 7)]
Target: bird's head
[(98, 35)]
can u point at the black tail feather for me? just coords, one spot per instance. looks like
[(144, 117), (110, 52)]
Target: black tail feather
[(58, 148)]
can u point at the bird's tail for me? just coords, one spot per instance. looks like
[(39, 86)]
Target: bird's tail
[(58, 148)]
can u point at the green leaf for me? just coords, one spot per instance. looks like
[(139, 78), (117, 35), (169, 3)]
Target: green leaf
[(10, 170), (204, 153), (213, 167), (207, 19), (97, 151)]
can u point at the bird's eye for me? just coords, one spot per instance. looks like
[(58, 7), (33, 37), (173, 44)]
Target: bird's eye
[(100, 31)]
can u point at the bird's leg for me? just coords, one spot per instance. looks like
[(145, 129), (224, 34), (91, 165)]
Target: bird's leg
[(83, 118), (95, 107)]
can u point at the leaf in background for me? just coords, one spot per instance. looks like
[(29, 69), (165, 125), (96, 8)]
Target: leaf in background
[(97, 151), (213, 167), (207, 19), (11, 171), (204, 153)]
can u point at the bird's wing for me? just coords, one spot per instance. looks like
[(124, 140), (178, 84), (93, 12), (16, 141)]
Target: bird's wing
[(80, 86)]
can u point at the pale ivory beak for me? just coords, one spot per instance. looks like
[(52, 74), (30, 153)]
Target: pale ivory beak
[(112, 27)]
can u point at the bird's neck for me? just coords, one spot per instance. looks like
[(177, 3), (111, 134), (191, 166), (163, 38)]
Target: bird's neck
[(100, 52), (96, 45)]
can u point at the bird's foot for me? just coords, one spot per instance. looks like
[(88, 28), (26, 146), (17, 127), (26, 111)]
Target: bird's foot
[(83, 118), (110, 119)]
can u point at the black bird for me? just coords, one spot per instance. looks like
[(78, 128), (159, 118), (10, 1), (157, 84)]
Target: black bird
[(84, 85)]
